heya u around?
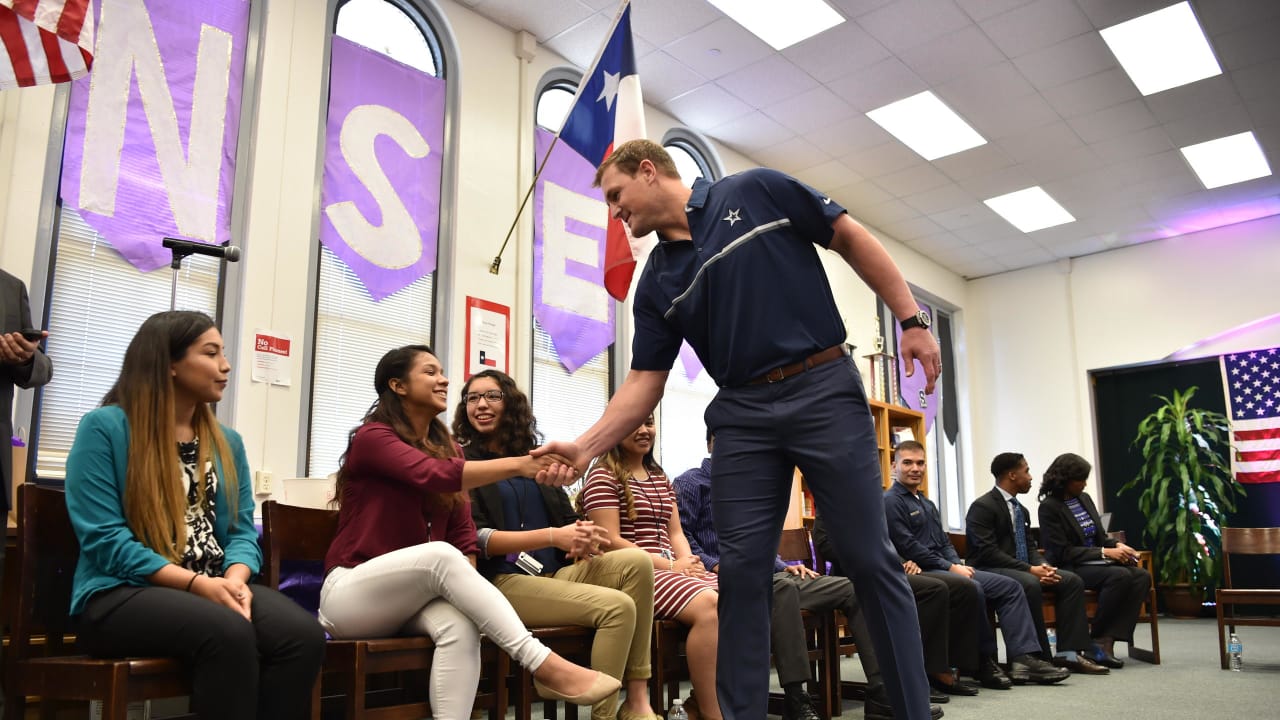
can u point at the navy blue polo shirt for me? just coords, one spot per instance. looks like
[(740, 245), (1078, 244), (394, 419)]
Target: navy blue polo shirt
[(749, 291)]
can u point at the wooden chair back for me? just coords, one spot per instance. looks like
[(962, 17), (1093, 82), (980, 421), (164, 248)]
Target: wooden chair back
[(290, 532), (1247, 541), (41, 659), (1244, 541), (794, 545)]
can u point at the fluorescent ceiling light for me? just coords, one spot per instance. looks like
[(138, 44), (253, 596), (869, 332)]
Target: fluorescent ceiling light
[(1227, 160), (1163, 49), (781, 24), (924, 124), (1030, 210)]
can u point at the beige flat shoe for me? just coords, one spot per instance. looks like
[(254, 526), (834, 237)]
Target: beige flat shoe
[(625, 714), (602, 687)]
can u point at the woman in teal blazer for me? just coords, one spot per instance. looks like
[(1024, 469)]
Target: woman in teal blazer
[(160, 497)]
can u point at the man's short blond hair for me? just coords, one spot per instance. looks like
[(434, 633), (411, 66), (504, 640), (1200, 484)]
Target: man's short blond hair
[(627, 157)]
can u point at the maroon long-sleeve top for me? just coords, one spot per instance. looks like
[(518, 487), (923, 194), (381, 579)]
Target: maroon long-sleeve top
[(385, 497)]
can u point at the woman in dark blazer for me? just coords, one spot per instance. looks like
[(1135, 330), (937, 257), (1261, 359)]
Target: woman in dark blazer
[(1073, 538)]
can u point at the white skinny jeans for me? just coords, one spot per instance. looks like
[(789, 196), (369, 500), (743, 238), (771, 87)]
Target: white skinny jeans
[(430, 589)]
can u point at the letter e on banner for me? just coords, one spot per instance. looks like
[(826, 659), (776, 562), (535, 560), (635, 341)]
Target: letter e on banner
[(562, 208)]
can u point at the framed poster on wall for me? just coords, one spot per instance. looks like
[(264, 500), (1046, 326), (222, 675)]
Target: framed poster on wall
[(488, 336)]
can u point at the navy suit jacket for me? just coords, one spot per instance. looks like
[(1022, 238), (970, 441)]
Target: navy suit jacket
[(1063, 537), (989, 529)]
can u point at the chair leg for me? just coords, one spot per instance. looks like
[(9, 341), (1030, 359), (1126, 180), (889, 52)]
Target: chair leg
[(315, 697), (1222, 638)]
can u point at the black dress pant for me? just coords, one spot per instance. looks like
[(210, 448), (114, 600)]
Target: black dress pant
[(241, 669), (1121, 590)]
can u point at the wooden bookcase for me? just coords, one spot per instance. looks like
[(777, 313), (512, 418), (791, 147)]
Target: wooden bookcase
[(894, 423)]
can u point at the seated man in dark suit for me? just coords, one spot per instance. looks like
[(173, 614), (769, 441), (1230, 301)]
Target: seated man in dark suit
[(915, 528), (795, 588), (1000, 540)]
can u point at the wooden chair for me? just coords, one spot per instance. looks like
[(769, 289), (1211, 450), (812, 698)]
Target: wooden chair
[(1244, 541), (47, 554), (303, 534), (667, 657), (571, 641)]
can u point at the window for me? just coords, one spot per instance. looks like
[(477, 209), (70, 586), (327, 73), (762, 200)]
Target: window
[(352, 331), (98, 301), (565, 403), (681, 432)]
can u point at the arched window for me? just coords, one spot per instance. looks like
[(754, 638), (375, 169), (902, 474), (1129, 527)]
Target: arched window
[(565, 403), (681, 432), (352, 330)]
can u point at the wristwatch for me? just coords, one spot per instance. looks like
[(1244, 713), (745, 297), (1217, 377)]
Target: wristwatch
[(921, 320)]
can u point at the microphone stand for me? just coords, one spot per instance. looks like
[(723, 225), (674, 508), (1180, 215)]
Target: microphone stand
[(179, 254)]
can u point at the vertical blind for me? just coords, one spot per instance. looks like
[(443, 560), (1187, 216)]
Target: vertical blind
[(566, 404), (98, 302)]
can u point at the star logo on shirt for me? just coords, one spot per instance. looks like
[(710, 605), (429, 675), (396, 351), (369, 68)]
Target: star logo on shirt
[(610, 89), (826, 201), (733, 217)]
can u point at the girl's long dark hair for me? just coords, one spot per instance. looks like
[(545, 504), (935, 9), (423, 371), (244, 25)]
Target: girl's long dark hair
[(155, 502), (517, 430), (388, 409), (1065, 469)]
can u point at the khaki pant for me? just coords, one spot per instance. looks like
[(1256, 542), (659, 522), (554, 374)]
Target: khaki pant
[(612, 593)]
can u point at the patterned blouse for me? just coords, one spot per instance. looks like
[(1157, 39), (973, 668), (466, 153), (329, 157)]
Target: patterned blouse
[(202, 554)]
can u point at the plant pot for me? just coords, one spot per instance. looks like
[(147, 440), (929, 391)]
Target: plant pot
[(1182, 601)]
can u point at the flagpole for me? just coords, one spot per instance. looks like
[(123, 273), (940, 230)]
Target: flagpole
[(496, 265)]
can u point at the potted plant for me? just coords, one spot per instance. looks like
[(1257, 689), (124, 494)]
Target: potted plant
[(1187, 490)]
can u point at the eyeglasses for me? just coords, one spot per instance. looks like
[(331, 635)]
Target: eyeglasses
[(490, 396)]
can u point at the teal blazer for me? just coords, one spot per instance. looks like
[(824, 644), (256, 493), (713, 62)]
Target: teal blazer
[(110, 554)]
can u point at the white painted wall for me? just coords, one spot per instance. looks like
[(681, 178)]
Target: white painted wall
[(1034, 334)]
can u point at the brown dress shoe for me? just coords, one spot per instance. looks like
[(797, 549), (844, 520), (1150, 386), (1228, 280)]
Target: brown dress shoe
[(1082, 665)]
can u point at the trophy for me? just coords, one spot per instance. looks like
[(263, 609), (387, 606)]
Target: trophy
[(884, 375)]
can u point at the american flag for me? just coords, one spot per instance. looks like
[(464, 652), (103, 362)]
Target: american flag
[(1252, 384), (44, 41)]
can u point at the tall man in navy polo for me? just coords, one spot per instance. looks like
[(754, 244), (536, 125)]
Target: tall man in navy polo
[(738, 276)]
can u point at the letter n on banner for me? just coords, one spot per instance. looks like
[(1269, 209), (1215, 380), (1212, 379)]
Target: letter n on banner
[(151, 132), (569, 297)]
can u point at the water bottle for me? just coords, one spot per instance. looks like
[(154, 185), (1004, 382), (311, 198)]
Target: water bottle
[(677, 710), (1052, 636), (1235, 650)]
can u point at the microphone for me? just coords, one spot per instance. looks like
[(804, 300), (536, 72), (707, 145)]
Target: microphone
[(183, 248)]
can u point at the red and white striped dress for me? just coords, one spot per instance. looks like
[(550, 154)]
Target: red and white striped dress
[(655, 500)]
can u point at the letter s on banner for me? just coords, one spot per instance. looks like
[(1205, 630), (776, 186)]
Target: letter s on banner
[(396, 243), (561, 246)]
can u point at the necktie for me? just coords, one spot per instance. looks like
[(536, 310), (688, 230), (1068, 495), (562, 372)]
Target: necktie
[(1019, 531)]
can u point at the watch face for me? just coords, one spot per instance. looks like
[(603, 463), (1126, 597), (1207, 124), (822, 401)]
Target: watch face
[(923, 318)]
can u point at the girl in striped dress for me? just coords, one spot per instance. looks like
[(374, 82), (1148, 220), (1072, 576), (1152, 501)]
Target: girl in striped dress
[(628, 493)]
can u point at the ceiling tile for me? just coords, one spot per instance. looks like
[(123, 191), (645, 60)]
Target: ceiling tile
[(1222, 16), (661, 21), (1193, 99), (993, 85), (1105, 13), (580, 43), (905, 24), (751, 131), (1213, 123), (791, 156), (1147, 141), (932, 245), (915, 179), (839, 51), (963, 216), (810, 110), (861, 194), (854, 8), (1050, 139), (985, 186), (662, 77), (1026, 258), (1067, 163), (952, 55), (1034, 26), (974, 161), (718, 49), (1257, 81), (558, 18), (768, 81), (1071, 59), (939, 199), (1005, 245), (829, 174), (887, 81), (1083, 246), (990, 231), (913, 228), (983, 9), (856, 132), (1113, 122), (881, 159), (1094, 92), (707, 106), (886, 213), (997, 121), (1247, 46)]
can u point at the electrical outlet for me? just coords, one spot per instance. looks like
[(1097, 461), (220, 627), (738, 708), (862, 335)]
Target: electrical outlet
[(262, 482)]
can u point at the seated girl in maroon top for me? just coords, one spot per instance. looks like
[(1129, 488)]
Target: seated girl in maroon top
[(403, 559)]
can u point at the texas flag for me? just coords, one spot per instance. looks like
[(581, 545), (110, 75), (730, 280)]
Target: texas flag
[(608, 111)]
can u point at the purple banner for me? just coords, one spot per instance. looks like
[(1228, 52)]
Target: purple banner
[(151, 132), (569, 299), (381, 191), (689, 359), (912, 388)]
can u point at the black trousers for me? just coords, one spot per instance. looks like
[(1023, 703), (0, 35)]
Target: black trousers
[(820, 594), (1068, 602), (1121, 590), (240, 669), (945, 646), (966, 614)]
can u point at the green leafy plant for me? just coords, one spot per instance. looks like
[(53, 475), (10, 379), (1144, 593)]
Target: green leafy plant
[(1187, 488)]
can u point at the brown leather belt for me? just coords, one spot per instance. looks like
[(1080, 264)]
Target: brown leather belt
[(778, 374)]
